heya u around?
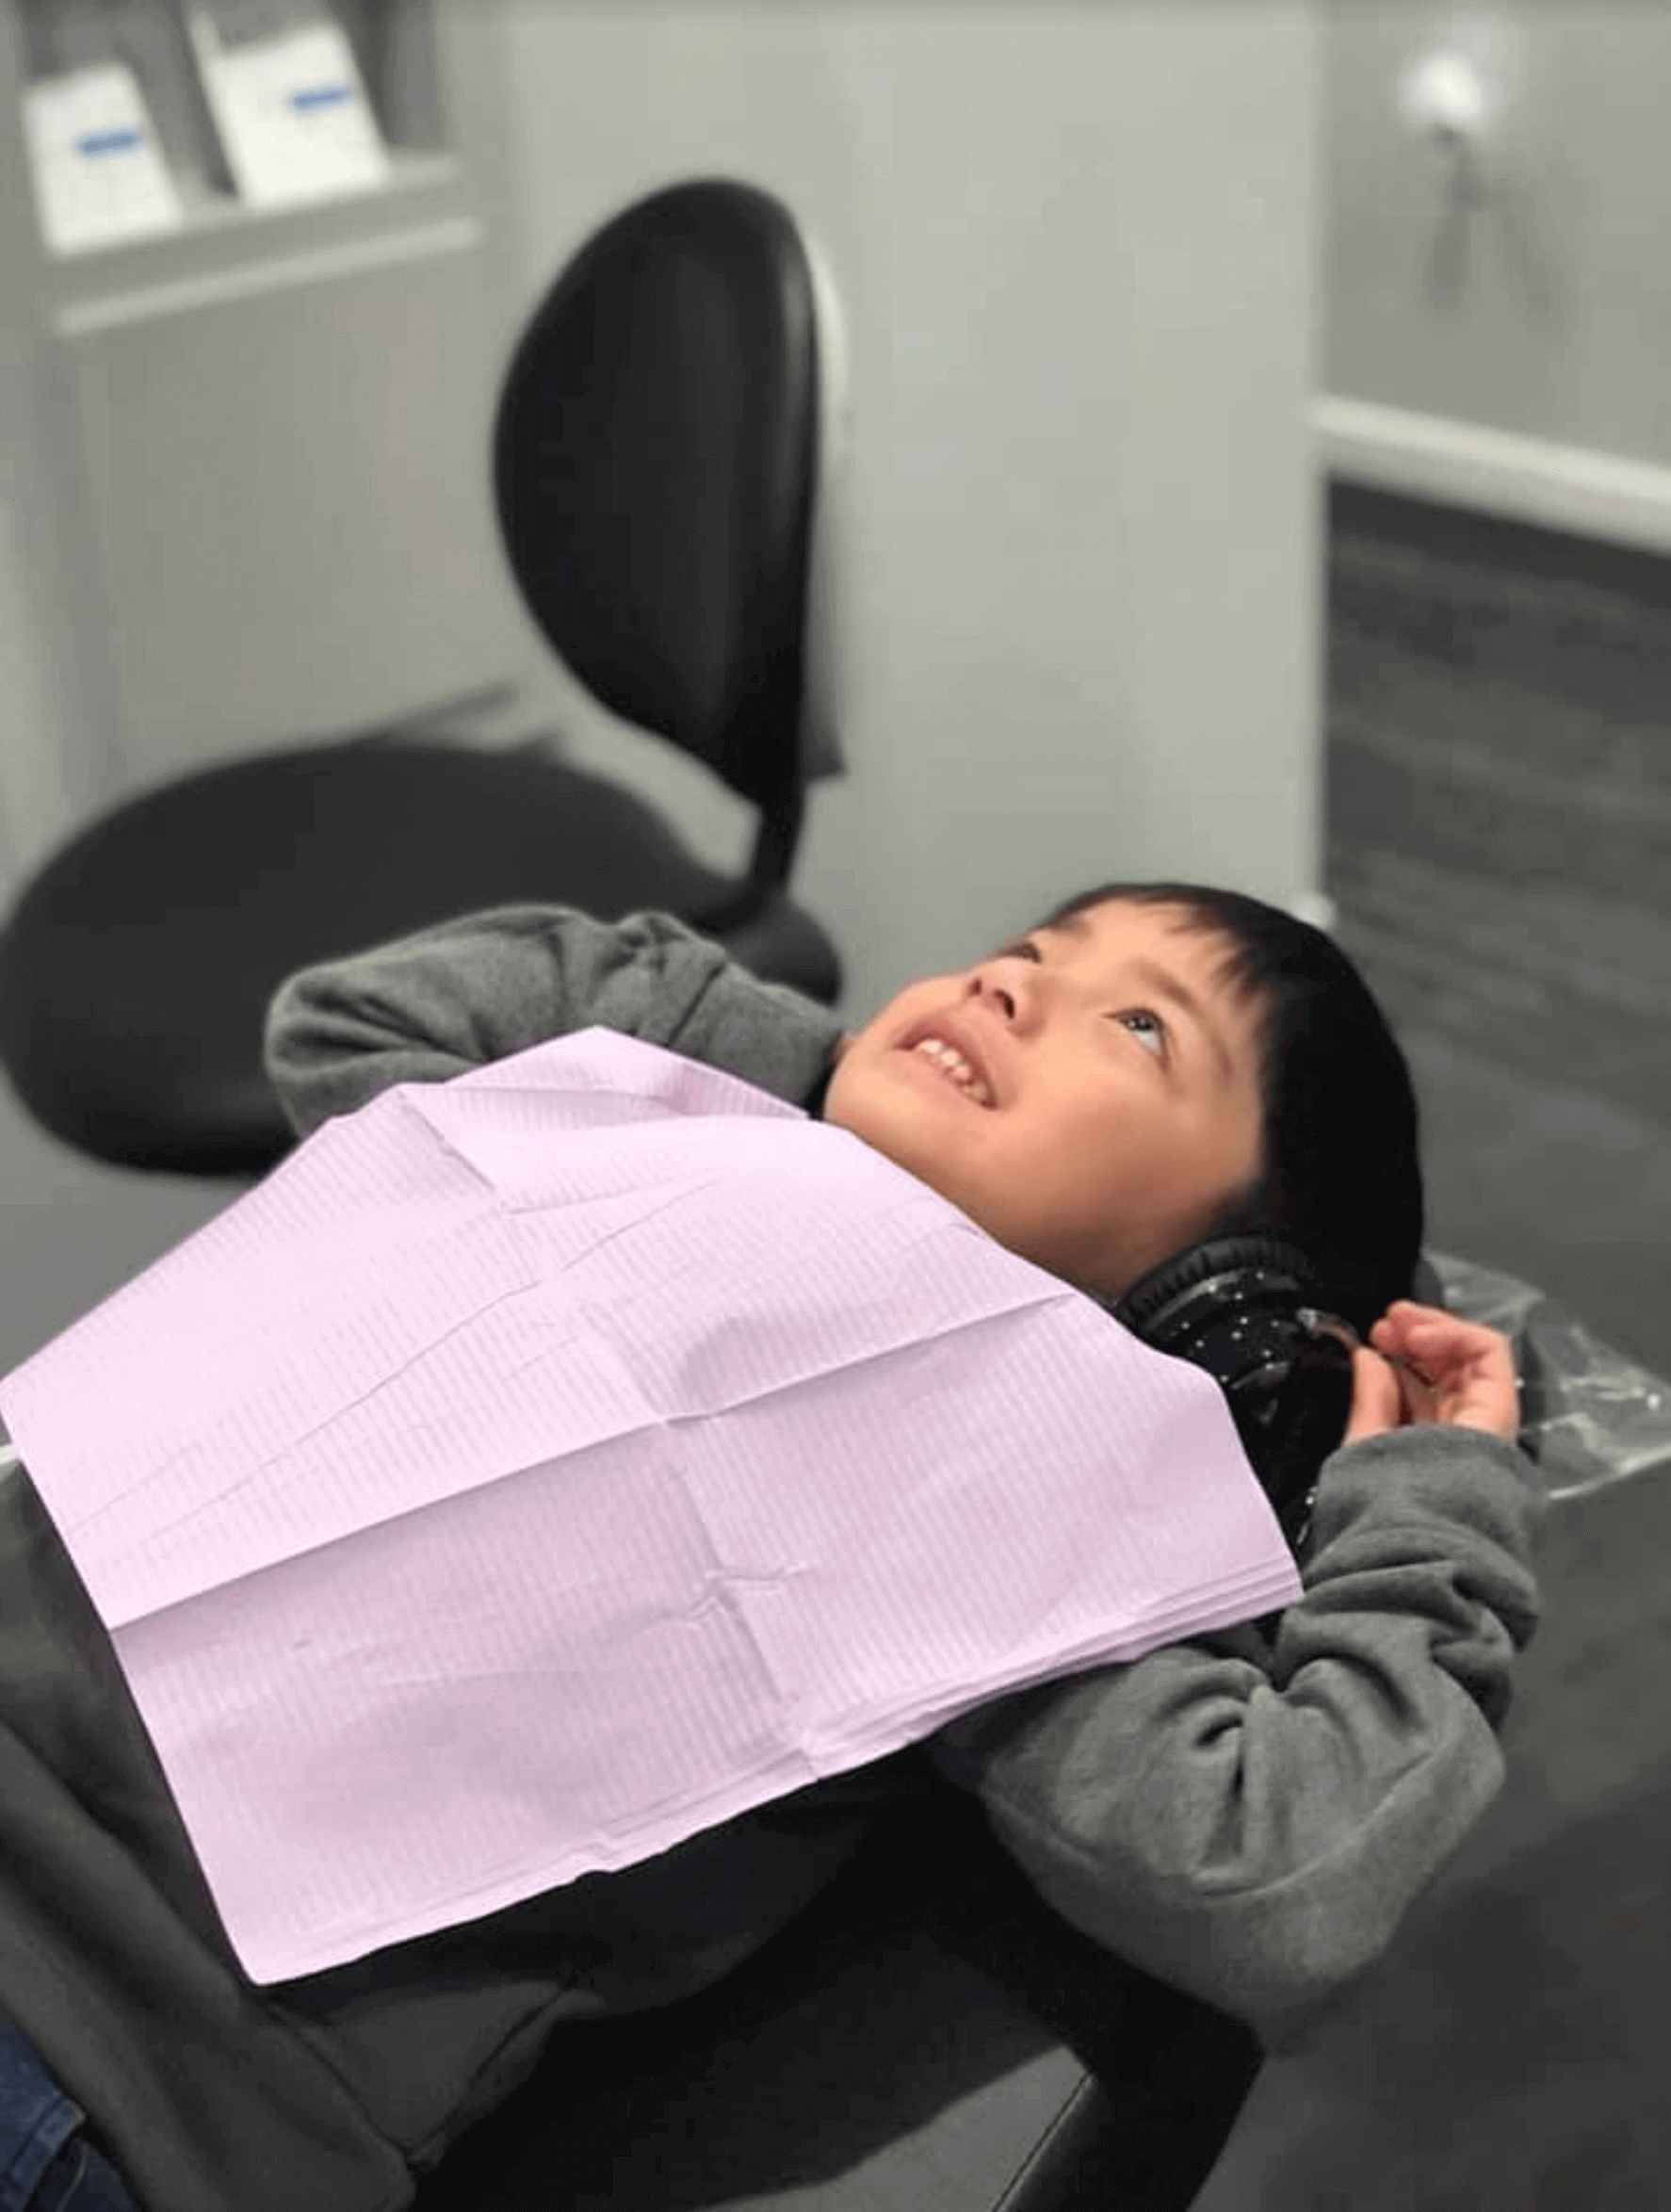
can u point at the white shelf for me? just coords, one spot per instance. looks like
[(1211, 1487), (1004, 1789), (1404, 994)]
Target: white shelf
[(229, 251), (223, 237), (208, 211), (245, 461)]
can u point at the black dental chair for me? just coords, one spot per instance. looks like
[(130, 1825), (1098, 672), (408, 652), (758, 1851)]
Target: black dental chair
[(928, 2037)]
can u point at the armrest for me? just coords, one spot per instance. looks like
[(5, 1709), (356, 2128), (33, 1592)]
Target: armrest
[(888, 2051)]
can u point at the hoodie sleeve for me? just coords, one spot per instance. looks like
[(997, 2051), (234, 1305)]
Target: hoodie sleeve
[(1250, 1822), (426, 1007)]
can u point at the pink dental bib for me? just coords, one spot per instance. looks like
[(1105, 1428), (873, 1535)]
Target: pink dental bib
[(541, 1467)]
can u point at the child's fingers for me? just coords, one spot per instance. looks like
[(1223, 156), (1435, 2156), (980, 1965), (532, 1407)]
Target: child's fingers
[(1438, 1342), (1452, 1370), (1376, 1402), (1404, 1341), (1407, 1324)]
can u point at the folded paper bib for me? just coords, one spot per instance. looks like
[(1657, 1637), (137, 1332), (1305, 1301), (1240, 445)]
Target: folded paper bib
[(541, 1467)]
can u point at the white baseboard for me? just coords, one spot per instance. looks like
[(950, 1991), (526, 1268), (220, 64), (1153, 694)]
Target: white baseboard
[(1465, 464)]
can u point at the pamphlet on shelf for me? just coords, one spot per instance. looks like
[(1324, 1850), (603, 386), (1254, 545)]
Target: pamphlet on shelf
[(99, 174), (292, 113)]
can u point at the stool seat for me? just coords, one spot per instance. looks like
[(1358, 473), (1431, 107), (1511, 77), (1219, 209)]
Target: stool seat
[(136, 967)]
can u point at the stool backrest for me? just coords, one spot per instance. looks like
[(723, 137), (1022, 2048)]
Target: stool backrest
[(665, 442)]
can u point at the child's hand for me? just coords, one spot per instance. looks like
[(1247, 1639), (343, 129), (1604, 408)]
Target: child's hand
[(1425, 1365)]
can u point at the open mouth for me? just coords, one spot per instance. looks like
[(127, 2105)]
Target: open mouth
[(970, 1088)]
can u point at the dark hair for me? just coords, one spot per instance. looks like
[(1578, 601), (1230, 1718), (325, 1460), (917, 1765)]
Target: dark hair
[(1342, 1172)]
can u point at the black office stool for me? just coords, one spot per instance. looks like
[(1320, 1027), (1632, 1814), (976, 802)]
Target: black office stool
[(661, 456)]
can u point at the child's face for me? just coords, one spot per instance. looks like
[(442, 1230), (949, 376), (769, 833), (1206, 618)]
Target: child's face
[(1109, 1146)]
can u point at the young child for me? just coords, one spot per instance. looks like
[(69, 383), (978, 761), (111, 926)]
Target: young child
[(1247, 1821)]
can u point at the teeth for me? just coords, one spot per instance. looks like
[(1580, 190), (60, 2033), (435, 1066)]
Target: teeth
[(952, 1061)]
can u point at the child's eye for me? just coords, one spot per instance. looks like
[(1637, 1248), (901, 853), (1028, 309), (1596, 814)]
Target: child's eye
[(1147, 1013)]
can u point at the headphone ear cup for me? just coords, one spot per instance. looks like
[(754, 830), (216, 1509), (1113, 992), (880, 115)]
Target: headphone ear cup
[(1157, 1307), (1247, 1310)]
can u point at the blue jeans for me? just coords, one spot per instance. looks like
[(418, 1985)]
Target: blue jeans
[(46, 2162)]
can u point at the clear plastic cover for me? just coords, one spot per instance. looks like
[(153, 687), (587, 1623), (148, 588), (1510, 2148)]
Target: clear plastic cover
[(1590, 1416)]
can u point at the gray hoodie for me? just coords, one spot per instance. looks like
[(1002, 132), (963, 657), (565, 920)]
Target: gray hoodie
[(1246, 1818)]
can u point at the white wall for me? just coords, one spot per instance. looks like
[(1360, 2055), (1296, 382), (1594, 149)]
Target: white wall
[(1521, 366), (1075, 247)]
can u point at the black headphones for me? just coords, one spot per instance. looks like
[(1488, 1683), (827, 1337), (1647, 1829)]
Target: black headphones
[(1250, 1310)]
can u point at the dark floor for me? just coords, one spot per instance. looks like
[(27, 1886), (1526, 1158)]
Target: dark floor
[(1500, 765), (1499, 809)]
